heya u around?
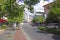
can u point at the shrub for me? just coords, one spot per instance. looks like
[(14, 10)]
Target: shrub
[(50, 30), (38, 19), (54, 13), (3, 26)]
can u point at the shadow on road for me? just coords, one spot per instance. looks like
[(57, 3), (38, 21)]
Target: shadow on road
[(33, 30), (42, 32), (55, 37)]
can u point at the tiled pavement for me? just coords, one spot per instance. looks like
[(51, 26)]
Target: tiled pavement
[(12, 35), (20, 35), (7, 35)]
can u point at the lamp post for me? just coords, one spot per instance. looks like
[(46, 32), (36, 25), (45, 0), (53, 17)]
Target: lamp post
[(0, 13), (0, 10), (0, 7)]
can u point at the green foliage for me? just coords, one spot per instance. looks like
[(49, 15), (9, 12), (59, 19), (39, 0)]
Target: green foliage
[(50, 30), (12, 9), (3, 27), (42, 28), (17, 16), (54, 13), (30, 4), (31, 9), (52, 17), (2, 7), (39, 19), (15, 11)]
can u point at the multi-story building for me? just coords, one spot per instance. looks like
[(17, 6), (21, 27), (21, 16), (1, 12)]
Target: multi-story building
[(47, 8)]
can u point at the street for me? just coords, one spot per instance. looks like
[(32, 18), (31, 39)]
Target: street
[(34, 34)]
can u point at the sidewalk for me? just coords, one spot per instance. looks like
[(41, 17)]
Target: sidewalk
[(20, 35), (8, 34), (1, 31)]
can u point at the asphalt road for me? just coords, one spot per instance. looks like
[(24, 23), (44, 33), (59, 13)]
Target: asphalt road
[(34, 34)]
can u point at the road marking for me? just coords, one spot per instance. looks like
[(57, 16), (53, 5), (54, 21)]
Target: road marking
[(25, 34)]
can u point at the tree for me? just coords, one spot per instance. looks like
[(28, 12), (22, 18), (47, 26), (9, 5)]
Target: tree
[(54, 13), (39, 19), (14, 11), (2, 7), (30, 4)]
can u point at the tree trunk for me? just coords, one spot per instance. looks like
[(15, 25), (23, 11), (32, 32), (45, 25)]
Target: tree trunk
[(19, 25), (0, 24), (39, 24), (45, 24), (14, 24)]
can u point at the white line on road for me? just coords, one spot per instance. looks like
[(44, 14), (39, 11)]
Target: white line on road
[(25, 34)]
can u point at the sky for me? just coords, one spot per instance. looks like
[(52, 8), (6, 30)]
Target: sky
[(38, 6)]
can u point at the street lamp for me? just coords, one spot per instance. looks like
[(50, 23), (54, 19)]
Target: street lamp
[(0, 8), (0, 5)]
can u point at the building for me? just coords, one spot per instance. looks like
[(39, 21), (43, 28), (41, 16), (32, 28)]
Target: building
[(39, 9), (47, 8)]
